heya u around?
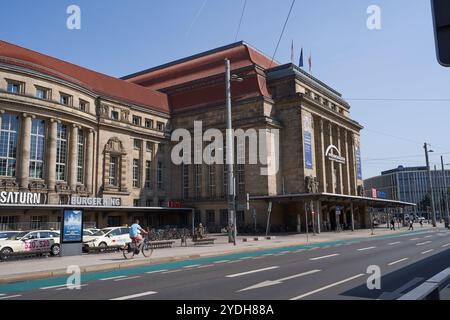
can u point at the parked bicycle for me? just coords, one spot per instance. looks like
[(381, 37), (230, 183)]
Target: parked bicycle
[(131, 249)]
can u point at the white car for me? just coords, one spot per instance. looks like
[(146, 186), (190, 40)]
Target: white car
[(117, 236), (32, 241), (4, 235)]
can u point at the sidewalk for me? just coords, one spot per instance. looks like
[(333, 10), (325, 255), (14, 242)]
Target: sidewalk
[(32, 269)]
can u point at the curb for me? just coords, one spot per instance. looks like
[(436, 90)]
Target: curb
[(138, 263)]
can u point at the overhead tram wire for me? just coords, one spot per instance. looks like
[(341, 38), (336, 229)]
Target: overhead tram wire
[(400, 99), (282, 32), (240, 21)]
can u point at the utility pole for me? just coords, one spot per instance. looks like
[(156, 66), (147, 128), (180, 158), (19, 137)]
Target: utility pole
[(430, 185), (230, 159), (444, 178)]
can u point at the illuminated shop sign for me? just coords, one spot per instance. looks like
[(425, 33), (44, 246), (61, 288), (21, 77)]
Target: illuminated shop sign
[(95, 202), (334, 154), (20, 198)]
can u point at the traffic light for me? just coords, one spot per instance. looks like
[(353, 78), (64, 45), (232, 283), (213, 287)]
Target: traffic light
[(441, 20)]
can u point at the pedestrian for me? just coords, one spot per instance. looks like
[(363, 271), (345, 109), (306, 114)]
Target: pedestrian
[(392, 224), (421, 223), (411, 225)]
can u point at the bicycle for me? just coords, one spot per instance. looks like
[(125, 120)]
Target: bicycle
[(130, 249)]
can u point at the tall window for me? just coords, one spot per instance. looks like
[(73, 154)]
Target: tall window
[(136, 173), (113, 167), (241, 179), (185, 172), (160, 175), (148, 174), (198, 180), (212, 180), (61, 152), (37, 149), (8, 145), (80, 164)]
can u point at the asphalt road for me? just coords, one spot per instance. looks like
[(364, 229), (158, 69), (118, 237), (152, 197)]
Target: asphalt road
[(329, 272)]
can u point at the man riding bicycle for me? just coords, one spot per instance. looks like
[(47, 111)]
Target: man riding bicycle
[(136, 232)]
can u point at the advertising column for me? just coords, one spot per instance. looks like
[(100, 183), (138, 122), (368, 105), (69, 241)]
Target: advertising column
[(72, 233)]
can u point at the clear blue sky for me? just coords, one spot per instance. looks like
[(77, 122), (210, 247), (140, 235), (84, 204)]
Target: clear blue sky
[(120, 37)]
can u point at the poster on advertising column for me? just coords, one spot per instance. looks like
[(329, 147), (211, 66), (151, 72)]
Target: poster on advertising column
[(307, 140), (72, 227), (358, 158)]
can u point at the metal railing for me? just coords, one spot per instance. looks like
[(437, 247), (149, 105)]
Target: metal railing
[(27, 226), (430, 289)]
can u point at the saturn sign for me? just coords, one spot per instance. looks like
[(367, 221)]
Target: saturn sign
[(334, 154)]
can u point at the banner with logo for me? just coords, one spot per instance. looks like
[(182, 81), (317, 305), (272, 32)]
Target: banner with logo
[(307, 140), (358, 158)]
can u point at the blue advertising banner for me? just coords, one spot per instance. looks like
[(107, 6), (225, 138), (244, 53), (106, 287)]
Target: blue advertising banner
[(358, 159), (307, 140), (72, 226)]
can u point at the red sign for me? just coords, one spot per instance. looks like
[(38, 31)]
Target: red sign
[(175, 204), (374, 193)]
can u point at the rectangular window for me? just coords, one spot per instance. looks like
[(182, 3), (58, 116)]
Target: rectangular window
[(137, 120), (61, 152), (198, 180), (42, 93), (84, 105), (114, 221), (224, 217), (7, 223), (137, 144), (240, 217), (136, 173), (115, 115), (80, 164), (16, 87), (148, 174), (136, 203), (160, 175), (149, 146), (36, 222), (149, 123), (8, 145), (113, 168), (37, 149), (211, 217), (149, 203), (241, 179), (212, 181), (185, 173), (65, 99), (160, 126)]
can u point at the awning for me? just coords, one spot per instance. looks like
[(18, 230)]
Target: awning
[(332, 197)]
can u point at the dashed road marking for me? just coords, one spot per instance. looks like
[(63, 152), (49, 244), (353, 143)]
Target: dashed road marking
[(398, 261), (251, 271), (327, 287), (157, 271), (324, 257), (133, 296), (171, 271), (428, 251), (192, 266), (394, 243), (205, 266), (446, 245), (71, 287), (112, 278), (414, 239), (10, 297), (423, 243), (129, 278), (368, 248), (222, 261), (428, 237), (53, 287), (244, 258)]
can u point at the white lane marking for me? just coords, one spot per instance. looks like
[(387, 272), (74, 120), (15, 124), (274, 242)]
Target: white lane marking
[(393, 243), (138, 295), (10, 297), (2, 294), (112, 278), (428, 237), (300, 250), (428, 251), (171, 271), (222, 261), (368, 248), (315, 248), (234, 261), (150, 272), (245, 258), (205, 266), (414, 239), (423, 243), (129, 278), (324, 257), (53, 287), (398, 261), (269, 254), (279, 281), (71, 287), (284, 252), (327, 287), (192, 266), (257, 258), (250, 272), (446, 245)]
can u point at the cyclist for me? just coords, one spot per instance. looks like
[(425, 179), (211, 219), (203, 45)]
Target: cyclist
[(136, 232)]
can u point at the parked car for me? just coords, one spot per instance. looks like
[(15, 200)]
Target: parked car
[(32, 241), (7, 234), (87, 232), (116, 236), (93, 230)]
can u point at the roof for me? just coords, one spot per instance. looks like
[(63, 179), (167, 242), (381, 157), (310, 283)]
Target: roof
[(198, 80), (98, 83)]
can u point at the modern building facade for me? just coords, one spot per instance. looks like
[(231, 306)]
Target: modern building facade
[(410, 184), (73, 136)]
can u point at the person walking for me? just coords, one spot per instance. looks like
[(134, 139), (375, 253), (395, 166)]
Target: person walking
[(411, 225), (392, 224)]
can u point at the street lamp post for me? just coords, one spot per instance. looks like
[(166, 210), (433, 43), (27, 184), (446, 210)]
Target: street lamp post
[(430, 184), (445, 184)]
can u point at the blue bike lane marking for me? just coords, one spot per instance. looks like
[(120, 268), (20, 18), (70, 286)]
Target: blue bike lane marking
[(94, 276)]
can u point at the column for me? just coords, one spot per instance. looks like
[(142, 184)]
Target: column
[(347, 186), (51, 166), (73, 157), (323, 177), (353, 175), (89, 161), (352, 213), (25, 151), (318, 213), (340, 186), (331, 178)]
